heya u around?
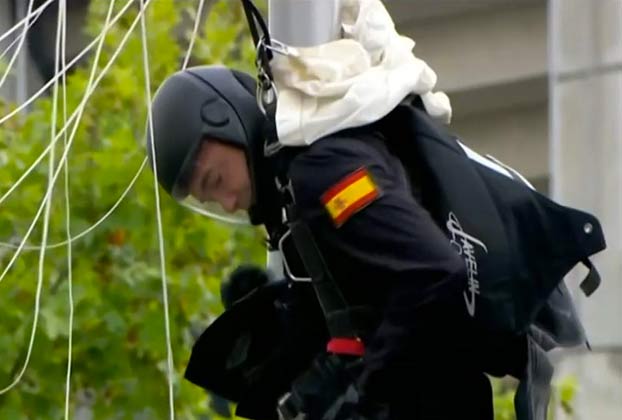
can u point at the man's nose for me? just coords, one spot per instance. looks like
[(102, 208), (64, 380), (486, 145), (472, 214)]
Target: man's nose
[(229, 203)]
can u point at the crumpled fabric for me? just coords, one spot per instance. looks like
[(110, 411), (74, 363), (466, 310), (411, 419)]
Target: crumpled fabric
[(353, 81)]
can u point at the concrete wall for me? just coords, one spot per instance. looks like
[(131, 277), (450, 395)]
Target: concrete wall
[(492, 63), (8, 89), (586, 167), (36, 60), (24, 79)]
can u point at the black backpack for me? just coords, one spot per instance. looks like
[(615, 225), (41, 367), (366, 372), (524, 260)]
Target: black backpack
[(517, 244)]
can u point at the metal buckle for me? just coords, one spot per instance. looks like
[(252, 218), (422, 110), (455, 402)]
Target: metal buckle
[(286, 409), (282, 49), (267, 96), (287, 269), (272, 148), (267, 93), (278, 47)]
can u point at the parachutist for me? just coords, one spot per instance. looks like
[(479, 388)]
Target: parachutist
[(422, 262)]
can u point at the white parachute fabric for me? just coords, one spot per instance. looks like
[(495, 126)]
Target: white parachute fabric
[(352, 81)]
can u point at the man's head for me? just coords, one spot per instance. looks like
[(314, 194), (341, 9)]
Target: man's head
[(207, 134)]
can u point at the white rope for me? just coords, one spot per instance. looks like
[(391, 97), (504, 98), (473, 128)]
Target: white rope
[(124, 194), (46, 223), (90, 88), (70, 240), (66, 68), (79, 110), (63, 163), (156, 188), (85, 232), (19, 46), (63, 10), (37, 11), (195, 30), (35, 17)]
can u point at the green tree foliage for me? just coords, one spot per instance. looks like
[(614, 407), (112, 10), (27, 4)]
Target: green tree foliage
[(563, 394), (119, 350)]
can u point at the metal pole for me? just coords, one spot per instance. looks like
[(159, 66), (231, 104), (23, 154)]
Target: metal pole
[(301, 23), (304, 23)]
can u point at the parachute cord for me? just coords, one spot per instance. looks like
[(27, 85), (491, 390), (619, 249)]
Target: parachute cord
[(81, 54), (35, 16), (167, 328), (63, 53), (195, 30), (25, 20), (90, 88), (19, 45), (88, 230)]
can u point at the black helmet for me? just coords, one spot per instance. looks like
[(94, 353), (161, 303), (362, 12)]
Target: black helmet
[(198, 103)]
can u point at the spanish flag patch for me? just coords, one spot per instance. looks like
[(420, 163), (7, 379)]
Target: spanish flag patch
[(350, 195)]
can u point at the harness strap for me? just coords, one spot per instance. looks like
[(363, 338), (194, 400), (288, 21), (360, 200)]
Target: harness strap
[(592, 280), (253, 16), (337, 312)]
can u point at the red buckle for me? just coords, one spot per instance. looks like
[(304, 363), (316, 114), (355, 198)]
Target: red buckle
[(346, 346)]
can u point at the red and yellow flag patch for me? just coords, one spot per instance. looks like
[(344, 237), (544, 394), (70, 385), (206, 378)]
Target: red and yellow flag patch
[(348, 196)]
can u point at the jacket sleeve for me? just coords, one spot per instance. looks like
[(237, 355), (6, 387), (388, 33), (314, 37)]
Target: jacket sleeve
[(390, 253)]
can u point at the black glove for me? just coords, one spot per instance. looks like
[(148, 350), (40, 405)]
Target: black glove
[(242, 281), (329, 381)]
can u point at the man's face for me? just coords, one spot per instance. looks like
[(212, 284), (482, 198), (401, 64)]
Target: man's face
[(221, 175)]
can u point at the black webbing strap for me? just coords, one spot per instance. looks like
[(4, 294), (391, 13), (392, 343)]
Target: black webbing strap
[(337, 312), (250, 18), (592, 280), (266, 95), (334, 306), (253, 15), (254, 18)]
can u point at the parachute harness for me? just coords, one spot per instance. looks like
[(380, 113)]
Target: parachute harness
[(341, 323), (266, 88)]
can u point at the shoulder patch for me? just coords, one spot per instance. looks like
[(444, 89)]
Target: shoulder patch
[(350, 195)]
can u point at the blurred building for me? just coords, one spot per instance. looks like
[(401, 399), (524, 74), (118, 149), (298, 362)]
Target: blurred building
[(535, 83), (538, 85), (36, 62)]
